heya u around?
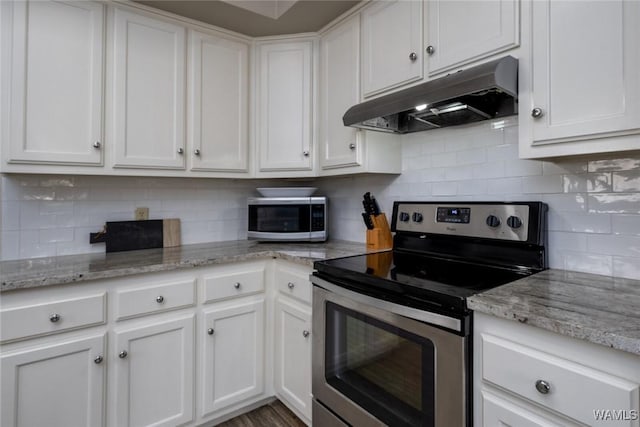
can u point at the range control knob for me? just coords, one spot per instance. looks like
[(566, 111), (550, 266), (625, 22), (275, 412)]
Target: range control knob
[(404, 217), (493, 221), (514, 222), (417, 217)]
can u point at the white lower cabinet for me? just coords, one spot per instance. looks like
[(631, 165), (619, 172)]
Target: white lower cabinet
[(293, 355), (232, 358), (526, 376), (152, 366), (55, 384)]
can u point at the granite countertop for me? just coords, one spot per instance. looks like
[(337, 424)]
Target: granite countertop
[(38, 272), (599, 309)]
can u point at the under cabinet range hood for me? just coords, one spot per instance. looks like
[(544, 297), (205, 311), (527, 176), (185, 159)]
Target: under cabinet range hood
[(484, 92)]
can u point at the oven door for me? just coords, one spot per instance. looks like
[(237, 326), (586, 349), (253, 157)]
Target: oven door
[(372, 366)]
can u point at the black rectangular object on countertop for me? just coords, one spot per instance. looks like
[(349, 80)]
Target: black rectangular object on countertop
[(132, 235)]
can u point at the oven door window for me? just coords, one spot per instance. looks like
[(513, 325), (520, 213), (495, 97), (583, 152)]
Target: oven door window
[(387, 371), (280, 218)]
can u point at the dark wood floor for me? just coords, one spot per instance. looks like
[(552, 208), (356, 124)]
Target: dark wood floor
[(274, 414)]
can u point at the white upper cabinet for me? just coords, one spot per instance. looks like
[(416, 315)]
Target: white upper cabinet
[(460, 32), (339, 90), (218, 103), (148, 114), (391, 45), (284, 106), (579, 78), (54, 66)]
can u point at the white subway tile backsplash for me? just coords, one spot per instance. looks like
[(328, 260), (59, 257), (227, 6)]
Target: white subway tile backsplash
[(627, 181), (621, 164), (542, 184), (627, 267), (626, 224), (618, 203), (590, 182), (570, 166), (579, 222), (504, 186), (612, 244), (523, 168), (588, 263), (55, 235)]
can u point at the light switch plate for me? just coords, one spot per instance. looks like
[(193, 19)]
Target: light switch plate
[(142, 214)]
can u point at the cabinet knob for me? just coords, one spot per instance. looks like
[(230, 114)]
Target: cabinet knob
[(180, 150), (305, 334), (97, 145), (305, 153), (196, 152), (210, 331), (413, 56), (291, 285), (543, 387), (122, 354), (430, 49), (97, 360), (159, 299), (236, 285), (352, 146), (536, 113), (54, 317)]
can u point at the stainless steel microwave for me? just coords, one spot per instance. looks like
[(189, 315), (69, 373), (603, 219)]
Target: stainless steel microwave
[(288, 219)]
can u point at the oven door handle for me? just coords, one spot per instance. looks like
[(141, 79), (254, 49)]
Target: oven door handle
[(401, 310)]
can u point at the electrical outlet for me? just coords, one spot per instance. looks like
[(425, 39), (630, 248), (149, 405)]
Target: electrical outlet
[(142, 214)]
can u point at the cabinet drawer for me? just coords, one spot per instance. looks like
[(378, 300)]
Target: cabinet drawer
[(228, 285), (155, 298), (295, 284), (574, 390), (52, 317)]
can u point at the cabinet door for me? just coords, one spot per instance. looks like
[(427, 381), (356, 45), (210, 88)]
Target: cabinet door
[(152, 369), (584, 77), (233, 354), (148, 92), (56, 74), (218, 103), (461, 32), (340, 90), (391, 45), (293, 355), (54, 385), (284, 106)]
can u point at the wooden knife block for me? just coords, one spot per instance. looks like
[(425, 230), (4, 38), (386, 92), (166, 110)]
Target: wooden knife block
[(380, 236)]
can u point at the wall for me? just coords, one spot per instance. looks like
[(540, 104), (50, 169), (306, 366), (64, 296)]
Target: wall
[(46, 215), (594, 201)]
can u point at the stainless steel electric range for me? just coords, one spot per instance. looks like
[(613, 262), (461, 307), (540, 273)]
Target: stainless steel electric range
[(392, 331)]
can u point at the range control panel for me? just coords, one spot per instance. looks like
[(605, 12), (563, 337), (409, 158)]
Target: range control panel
[(493, 221)]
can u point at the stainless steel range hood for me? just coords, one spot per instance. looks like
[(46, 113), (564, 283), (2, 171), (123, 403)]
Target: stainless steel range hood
[(483, 92)]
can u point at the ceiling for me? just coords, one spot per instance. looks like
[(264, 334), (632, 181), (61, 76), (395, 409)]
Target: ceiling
[(258, 17)]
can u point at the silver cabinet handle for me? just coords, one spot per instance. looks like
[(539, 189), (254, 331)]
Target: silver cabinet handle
[(352, 146), (210, 331), (291, 285), (196, 152), (159, 299), (305, 334), (122, 354), (413, 56), (305, 153), (97, 360), (543, 387), (97, 145), (236, 285), (54, 317), (430, 50), (536, 113), (180, 150)]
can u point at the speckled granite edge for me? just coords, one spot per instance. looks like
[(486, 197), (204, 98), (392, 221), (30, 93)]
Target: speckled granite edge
[(51, 271), (599, 309)]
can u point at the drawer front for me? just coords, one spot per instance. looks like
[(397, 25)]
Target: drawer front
[(155, 299), (573, 390), (52, 316), (233, 284), (294, 283)]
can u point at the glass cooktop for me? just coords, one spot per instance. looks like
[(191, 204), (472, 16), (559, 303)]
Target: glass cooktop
[(425, 282)]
